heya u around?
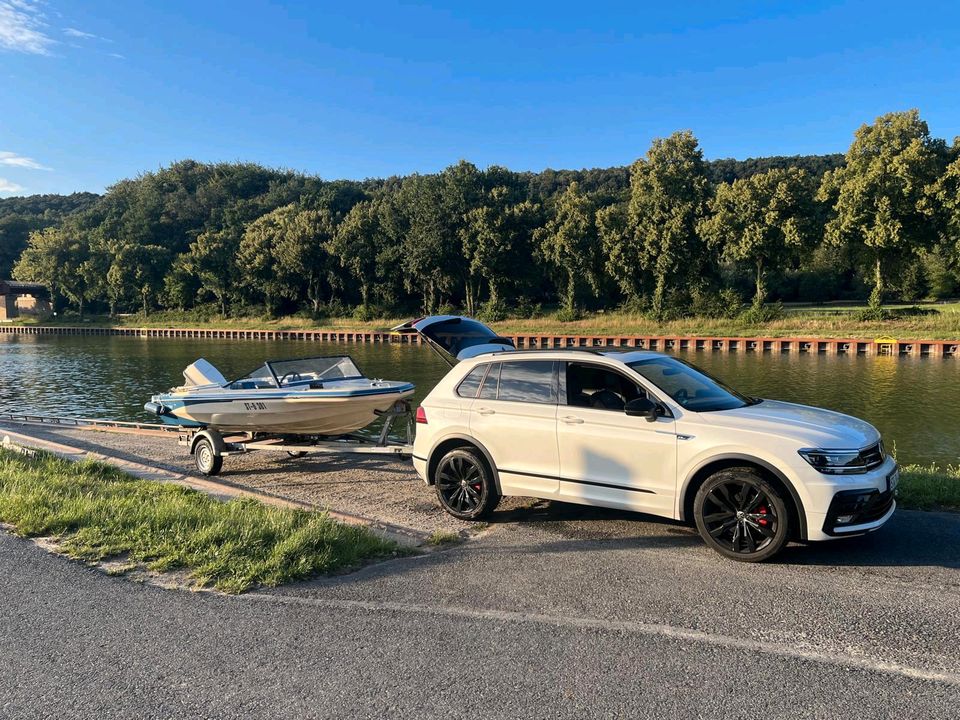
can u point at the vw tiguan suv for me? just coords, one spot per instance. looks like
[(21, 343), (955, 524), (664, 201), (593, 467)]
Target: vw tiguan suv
[(643, 431)]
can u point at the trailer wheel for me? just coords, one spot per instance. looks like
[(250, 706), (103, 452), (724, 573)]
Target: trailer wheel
[(208, 461)]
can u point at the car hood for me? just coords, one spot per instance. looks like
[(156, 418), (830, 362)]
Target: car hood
[(814, 427)]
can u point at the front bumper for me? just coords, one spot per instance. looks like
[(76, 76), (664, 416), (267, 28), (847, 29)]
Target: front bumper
[(844, 506), (854, 512)]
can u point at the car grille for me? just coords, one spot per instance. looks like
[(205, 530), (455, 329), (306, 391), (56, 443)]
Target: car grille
[(864, 506)]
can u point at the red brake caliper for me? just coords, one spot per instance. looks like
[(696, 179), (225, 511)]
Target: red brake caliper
[(762, 511)]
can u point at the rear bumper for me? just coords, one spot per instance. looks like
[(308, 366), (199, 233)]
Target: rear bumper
[(420, 465)]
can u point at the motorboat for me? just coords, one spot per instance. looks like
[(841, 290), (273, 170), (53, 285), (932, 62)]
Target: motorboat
[(322, 396)]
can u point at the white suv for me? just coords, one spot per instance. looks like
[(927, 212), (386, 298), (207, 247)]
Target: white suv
[(642, 431)]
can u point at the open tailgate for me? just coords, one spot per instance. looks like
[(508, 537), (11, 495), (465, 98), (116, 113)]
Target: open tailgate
[(456, 337)]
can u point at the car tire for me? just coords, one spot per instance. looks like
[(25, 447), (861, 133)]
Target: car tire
[(465, 485), (206, 458), (742, 515)]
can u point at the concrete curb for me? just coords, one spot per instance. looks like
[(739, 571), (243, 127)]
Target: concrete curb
[(219, 489)]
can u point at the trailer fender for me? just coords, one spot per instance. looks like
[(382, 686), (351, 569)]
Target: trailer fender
[(215, 438)]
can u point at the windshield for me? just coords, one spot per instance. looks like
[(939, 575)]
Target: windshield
[(298, 372), (306, 370), (691, 389)]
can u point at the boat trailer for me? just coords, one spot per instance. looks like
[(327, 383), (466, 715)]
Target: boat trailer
[(209, 446)]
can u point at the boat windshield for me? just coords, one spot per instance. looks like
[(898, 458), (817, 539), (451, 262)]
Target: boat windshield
[(258, 379), (690, 387), (307, 370)]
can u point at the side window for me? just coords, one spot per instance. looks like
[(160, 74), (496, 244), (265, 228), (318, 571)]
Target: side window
[(529, 381), (469, 386), (599, 387), (491, 383)]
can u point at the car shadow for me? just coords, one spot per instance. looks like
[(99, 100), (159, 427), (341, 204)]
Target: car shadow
[(910, 538)]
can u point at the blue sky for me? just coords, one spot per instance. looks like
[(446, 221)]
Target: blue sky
[(94, 91)]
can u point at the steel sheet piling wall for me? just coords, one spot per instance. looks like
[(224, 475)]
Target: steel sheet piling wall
[(828, 346)]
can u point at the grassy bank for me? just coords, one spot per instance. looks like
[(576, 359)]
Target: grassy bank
[(97, 512), (928, 487), (819, 321)]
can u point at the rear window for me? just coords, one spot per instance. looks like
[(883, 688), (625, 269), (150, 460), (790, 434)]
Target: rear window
[(469, 386), (531, 381)]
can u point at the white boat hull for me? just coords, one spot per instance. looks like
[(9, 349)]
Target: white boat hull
[(295, 413)]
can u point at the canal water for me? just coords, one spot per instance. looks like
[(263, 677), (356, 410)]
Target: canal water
[(915, 402)]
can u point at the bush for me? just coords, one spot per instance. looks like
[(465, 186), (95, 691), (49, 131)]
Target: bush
[(725, 304), (448, 308), (366, 313), (871, 313), (569, 314), (912, 311), (492, 311), (526, 308), (759, 314)]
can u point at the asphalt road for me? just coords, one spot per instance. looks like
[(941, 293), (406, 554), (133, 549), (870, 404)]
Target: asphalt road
[(558, 612)]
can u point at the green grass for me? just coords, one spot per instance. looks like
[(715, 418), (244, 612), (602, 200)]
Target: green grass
[(97, 512), (807, 321), (928, 487)]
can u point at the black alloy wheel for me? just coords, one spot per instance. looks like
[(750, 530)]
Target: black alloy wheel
[(465, 486), (741, 515)]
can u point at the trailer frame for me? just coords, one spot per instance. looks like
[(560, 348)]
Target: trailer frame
[(209, 446)]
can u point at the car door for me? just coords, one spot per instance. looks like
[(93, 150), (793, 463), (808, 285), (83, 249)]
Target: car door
[(515, 417), (607, 457)]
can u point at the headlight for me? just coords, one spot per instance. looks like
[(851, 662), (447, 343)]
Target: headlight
[(835, 462)]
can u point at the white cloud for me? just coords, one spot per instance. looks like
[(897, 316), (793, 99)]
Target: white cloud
[(73, 32), (118, 56), (16, 160), (82, 35), (22, 28), (9, 187)]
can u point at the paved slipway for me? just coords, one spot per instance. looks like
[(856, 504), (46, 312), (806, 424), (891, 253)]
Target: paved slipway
[(556, 611)]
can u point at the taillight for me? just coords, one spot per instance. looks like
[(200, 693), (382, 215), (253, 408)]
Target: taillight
[(421, 415)]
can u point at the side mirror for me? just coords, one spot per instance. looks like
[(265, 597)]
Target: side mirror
[(642, 407)]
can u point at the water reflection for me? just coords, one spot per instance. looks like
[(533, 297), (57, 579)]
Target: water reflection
[(914, 401)]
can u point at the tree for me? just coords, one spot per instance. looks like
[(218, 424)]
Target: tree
[(498, 241), (356, 246), (620, 251), (668, 196), (302, 252), (136, 274), (431, 250), (14, 233), (180, 285), (260, 273), (211, 259), (53, 257), (569, 242), (764, 220), (878, 197), (461, 193), (943, 205)]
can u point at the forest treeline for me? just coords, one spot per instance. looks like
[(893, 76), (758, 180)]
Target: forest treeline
[(670, 235)]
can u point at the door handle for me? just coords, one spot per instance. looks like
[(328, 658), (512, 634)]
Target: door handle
[(485, 411), (571, 420)]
